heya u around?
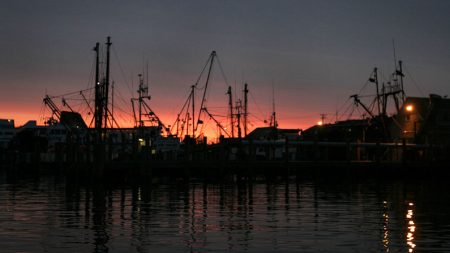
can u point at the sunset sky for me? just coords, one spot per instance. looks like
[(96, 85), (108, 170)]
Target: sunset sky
[(314, 53)]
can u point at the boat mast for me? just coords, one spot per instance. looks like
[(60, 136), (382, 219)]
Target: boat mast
[(141, 84), (245, 109), (98, 115), (230, 108), (238, 115), (112, 100), (273, 119), (211, 62), (375, 80), (106, 94), (193, 110), (400, 73)]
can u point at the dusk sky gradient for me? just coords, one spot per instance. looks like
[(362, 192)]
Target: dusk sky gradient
[(315, 53)]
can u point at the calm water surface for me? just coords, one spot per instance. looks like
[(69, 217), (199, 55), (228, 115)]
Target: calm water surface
[(54, 215)]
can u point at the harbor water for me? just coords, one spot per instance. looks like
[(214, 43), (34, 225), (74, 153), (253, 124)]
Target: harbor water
[(59, 214)]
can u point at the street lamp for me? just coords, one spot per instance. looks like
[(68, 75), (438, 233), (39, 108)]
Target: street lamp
[(409, 108)]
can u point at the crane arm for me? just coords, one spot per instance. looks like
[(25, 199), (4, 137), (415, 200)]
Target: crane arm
[(358, 102), (217, 122), (50, 104)]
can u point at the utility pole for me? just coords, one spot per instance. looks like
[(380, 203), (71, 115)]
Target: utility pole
[(245, 109), (322, 118)]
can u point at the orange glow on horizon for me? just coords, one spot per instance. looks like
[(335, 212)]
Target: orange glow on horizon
[(125, 121)]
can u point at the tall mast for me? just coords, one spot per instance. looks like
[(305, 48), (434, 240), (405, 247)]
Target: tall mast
[(98, 114), (211, 62), (400, 73), (193, 110), (238, 115), (106, 94), (273, 121), (141, 84), (375, 80), (245, 108), (384, 95), (112, 101), (230, 108)]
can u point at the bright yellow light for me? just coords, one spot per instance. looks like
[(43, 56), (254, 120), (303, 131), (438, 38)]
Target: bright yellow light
[(319, 123), (409, 108)]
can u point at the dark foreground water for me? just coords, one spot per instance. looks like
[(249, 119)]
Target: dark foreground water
[(51, 214)]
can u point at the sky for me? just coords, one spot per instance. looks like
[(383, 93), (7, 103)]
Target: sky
[(309, 55)]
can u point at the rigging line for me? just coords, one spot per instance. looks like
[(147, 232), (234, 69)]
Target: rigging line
[(254, 101), (217, 107), (121, 97), (254, 116), (415, 83), (345, 112), (122, 71), (188, 100), (73, 99), (204, 126), (123, 120), (92, 121), (383, 76), (87, 102), (365, 84), (123, 111), (361, 114), (70, 93), (42, 111), (91, 74), (217, 115), (367, 96), (351, 113), (342, 106), (203, 70), (210, 71), (223, 73)]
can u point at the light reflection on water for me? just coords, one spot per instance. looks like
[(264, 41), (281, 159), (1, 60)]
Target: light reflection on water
[(411, 228), (50, 215)]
